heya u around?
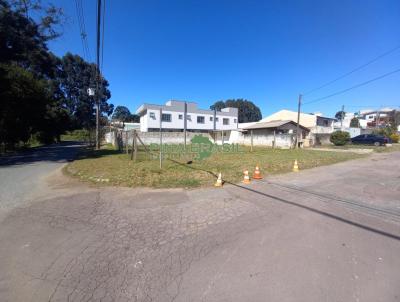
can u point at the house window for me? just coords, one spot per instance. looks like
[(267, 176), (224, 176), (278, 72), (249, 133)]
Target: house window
[(166, 117), (211, 118), (152, 115), (235, 120), (216, 119), (188, 117), (180, 116), (200, 120), (225, 121)]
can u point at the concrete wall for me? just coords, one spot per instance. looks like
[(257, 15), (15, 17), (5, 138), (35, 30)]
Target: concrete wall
[(153, 137), (318, 139), (261, 137)]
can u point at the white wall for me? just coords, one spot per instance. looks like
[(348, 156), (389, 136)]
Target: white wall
[(147, 122), (260, 138), (154, 137)]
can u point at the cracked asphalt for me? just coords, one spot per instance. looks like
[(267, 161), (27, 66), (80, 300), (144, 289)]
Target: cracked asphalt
[(325, 234)]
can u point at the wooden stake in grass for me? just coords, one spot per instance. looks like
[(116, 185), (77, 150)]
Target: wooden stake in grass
[(126, 142), (135, 145)]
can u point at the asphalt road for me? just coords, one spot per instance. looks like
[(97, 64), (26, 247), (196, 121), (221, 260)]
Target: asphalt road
[(21, 175), (326, 234)]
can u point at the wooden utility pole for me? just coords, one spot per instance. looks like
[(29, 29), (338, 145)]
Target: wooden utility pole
[(341, 118), (251, 139), (98, 76), (298, 121), (161, 138), (377, 119), (185, 123)]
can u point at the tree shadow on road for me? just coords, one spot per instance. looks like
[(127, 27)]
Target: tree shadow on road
[(61, 153)]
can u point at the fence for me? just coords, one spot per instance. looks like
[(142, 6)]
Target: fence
[(121, 138)]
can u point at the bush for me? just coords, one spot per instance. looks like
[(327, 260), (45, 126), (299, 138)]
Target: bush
[(81, 135), (340, 138), (395, 137), (386, 131)]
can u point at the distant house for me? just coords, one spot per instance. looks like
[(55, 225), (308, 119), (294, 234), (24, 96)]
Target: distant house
[(377, 118), (272, 134), (316, 123), (197, 120)]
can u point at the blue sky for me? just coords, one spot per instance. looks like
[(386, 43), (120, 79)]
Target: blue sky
[(265, 51)]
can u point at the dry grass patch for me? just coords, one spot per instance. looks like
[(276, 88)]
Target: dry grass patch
[(109, 167)]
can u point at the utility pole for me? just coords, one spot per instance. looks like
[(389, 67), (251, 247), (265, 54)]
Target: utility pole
[(298, 121), (341, 118), (98, 76), (185, 122), (377, 118), (161, 153)]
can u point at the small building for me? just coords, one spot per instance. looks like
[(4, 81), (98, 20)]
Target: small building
[(280, 134), (316, 123), (197, 120)]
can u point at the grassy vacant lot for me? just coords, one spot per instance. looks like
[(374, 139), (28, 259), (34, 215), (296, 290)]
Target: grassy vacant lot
[(394, 147), (110, 167)]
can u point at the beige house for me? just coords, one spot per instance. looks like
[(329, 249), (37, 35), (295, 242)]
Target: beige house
[(317, 123)]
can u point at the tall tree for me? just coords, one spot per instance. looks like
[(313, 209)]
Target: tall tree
[(218, 106), (248, 111), (354, 123), (77, 76), (27, 74), (122, 114), (340, 115)]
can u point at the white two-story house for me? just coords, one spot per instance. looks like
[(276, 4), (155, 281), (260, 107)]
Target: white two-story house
[(197, 120)]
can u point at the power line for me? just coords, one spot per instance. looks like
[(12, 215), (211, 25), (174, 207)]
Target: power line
[(102, 36), (352, 71), (82, 29), (98, 75), (353, 87)]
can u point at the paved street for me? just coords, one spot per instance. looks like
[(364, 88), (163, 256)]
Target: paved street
[(22, 175), (325, 234)]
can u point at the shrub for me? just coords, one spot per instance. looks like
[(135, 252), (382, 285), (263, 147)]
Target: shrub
[(354, 123), (395, 137), (386, 131), (81, 135), (340, 138)]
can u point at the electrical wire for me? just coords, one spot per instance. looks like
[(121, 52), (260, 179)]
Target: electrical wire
[(82, 29), (353, 71), (352, 87), (102, 36)]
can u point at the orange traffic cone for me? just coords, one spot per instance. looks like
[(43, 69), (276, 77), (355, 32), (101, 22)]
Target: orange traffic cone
[(246, 178), (295, 166), (257, 173), (218, 183)]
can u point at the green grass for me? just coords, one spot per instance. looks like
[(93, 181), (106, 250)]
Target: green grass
[(110, 167), (379, 149), (80, 135)]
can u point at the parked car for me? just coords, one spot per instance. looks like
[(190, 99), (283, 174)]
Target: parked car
[(371, 139)]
